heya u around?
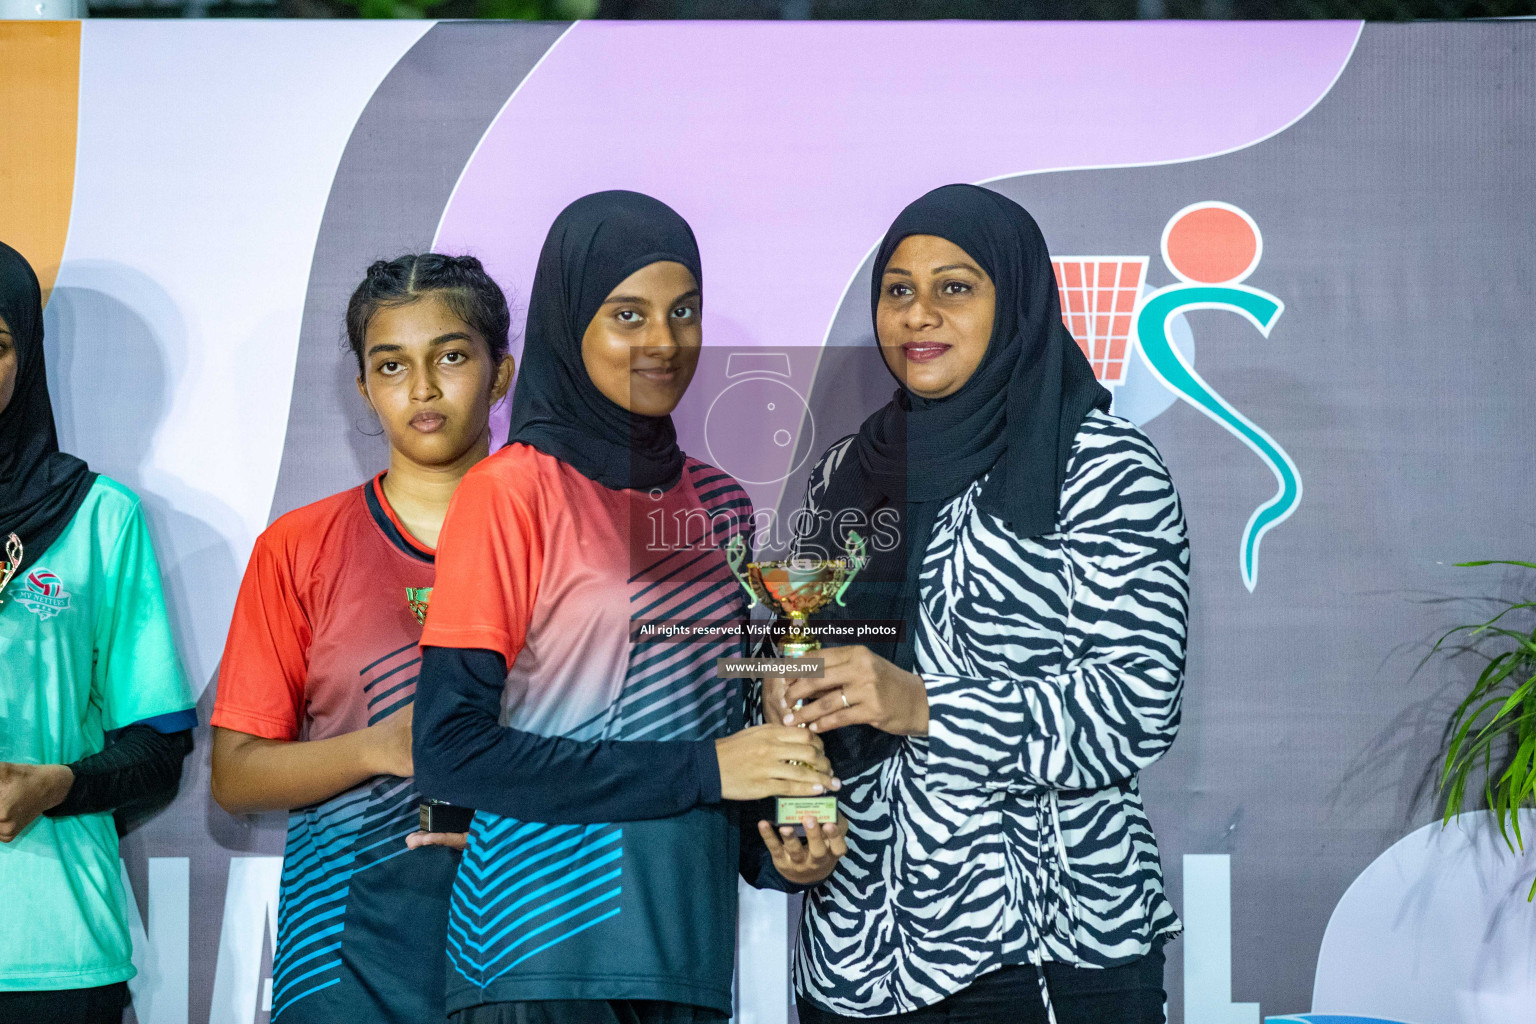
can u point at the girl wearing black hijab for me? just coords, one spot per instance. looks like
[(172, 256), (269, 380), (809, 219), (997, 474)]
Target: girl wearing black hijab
[(1000, 865), (599, 884), (95, 716)]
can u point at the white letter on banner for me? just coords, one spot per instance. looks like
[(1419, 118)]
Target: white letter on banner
[(160, 953), (762, 958), (250, 915), (1208, 943)]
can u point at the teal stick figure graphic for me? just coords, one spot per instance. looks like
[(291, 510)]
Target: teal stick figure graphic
[(1211, 247)]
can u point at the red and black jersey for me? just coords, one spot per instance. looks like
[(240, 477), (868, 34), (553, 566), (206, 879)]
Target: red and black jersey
[(323, 640), (323, 643), (551, 575)]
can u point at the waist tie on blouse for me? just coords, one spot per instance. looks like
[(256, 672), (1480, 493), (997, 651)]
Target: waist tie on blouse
[(1053, 887)]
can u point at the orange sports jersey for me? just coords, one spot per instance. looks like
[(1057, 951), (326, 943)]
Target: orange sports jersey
[(569, 567), (551, 571), (324, 642)]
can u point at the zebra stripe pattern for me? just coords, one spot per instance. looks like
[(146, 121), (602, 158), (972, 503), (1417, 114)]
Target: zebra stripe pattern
[(1014, 831)]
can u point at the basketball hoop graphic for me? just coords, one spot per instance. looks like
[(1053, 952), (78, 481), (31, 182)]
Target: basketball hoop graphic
[(1099, 295)]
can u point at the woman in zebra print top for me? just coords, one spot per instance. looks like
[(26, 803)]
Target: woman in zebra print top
[(1000, 865)]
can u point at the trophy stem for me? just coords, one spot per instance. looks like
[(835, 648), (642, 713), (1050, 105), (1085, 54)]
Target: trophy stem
[(799, 642), (794, 589)]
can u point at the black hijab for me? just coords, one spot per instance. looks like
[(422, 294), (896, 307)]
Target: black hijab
[(40, 486), (1016, 416), (594, 244)]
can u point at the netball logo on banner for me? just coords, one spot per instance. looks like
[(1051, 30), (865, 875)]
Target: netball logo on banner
[(1212, 248)]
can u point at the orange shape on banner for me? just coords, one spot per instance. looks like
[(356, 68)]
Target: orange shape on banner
[(1211, 244), (39, 109)]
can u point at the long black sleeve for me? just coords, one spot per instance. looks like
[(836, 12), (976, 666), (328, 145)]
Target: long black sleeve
[(135, 774), (465, 756)]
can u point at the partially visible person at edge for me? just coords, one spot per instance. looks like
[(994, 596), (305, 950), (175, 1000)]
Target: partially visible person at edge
[(95, 714), (313, 712), (600, 881), (1000, 866)]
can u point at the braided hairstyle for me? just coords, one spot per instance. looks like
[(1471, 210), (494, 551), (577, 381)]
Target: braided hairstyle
[(461, 282)]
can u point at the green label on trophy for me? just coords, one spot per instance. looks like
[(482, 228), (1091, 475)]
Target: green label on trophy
[(795, 589), (791, 810)]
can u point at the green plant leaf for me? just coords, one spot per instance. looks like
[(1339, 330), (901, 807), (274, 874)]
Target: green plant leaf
[(1490, 739)]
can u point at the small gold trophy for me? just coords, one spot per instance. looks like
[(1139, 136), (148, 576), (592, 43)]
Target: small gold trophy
[(796, 588), (12, 562), (436, 815)]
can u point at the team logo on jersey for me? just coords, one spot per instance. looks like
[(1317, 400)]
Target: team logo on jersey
[(43, 594), (418, 598), (1141, 346)]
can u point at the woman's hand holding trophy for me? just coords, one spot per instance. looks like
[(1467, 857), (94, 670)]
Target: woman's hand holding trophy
[(795, 589)]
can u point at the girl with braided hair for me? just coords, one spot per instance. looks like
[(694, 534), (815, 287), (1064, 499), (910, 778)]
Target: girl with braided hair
[(315, 690)]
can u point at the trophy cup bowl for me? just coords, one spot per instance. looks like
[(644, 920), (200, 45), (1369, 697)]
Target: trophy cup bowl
[(795, 589)]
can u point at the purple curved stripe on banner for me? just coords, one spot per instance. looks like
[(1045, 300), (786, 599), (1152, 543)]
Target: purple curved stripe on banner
[(790, 147)]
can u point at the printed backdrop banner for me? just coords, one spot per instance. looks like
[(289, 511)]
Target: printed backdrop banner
[(1300, 254)]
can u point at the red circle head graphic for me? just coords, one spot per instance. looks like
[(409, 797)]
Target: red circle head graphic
[(1212, 243)]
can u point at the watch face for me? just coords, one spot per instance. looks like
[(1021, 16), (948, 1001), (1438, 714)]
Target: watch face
[(759, 430)]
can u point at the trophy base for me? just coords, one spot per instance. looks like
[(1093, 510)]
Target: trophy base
[(435, 816), (789, 810)]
